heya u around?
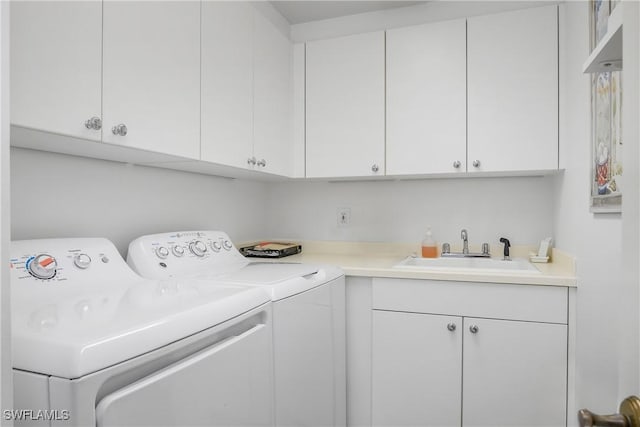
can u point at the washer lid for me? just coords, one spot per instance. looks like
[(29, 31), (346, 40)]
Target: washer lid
[(74, 334), (282, 280), (269, 273)]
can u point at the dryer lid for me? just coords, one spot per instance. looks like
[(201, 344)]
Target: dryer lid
[(73, 335)]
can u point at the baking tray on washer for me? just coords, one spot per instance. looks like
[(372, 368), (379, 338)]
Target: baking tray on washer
[(270, 249)]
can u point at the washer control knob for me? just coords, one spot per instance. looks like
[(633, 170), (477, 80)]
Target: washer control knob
[(42, 266), (162, 252), (198, 248), (215, 246), (227, 245), (177, 250), (82, 261)]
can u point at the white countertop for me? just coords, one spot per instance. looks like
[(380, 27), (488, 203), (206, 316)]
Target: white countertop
[(377, 260)]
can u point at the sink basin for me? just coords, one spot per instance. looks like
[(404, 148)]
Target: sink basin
[(490, 265)]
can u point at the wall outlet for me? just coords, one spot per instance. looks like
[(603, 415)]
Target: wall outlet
[(344, 217)]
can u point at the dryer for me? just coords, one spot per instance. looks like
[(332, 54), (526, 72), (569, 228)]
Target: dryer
[(95, 344), (308, 316)]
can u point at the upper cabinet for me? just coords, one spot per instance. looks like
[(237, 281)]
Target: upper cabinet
[(56, 64), (159, 81), (272, 98), (345, 106), (426, 99), (227, 82), (151, 76), (247, 92), (181, 81), (513, 91)]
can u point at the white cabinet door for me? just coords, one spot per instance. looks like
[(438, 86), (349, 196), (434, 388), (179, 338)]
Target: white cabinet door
[(345, 106), (151, 75), (273, 98), (56, 60), (515, 373), (227, 82), (417, 369), (513, 91), (426, 99)]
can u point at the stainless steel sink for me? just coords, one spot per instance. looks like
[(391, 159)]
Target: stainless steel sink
[(516, 265)]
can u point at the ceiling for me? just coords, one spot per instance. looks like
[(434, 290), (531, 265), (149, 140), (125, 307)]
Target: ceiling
[(297, 12)]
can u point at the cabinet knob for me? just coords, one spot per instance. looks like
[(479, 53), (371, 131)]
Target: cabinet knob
[(120, 129), (476, 163), (451, 327), (474, 329), (262, 163), (251, 161), (93, 123), (375, 168), (457, 164)]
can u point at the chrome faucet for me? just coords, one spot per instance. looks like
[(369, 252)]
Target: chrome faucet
[(446, 248), (465, 242)]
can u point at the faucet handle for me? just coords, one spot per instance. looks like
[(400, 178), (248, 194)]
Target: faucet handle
[(463, 234), (485, 249), (446, 248)]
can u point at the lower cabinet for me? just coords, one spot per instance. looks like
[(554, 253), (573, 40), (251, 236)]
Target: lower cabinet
[(417, 369), (453, 364)]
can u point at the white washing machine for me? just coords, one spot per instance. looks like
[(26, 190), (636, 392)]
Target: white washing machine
[(94, 344), (308, 316)]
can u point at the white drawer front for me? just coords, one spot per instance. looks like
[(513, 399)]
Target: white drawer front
[(491, 300)]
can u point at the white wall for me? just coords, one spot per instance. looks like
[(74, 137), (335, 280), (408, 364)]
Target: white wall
[(596, 240), (6, 388), (55, 195), (629, 345), (400, 211)]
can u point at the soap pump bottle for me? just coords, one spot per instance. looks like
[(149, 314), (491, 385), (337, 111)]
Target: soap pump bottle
[(429, 247)]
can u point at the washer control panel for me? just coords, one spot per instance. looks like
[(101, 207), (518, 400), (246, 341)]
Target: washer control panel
[(85, 260), (160, 256)]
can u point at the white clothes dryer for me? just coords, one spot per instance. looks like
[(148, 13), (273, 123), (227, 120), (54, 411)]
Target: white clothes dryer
[(95, 344), (308, 316)]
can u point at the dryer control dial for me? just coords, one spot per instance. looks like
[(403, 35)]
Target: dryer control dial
[(227, 245), (42, 266), (82, 261), (215, 246), (198, 248)]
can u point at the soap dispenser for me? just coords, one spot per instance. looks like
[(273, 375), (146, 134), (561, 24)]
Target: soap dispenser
[(429, 246)]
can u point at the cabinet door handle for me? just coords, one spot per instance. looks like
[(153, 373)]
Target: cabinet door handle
[(474, 329), (120, 129), (451, 327), (93, 123)]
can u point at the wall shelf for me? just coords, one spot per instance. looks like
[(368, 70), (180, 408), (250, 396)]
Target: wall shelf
[(607, 55)]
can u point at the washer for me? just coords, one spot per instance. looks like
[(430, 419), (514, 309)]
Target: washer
[(308, 316), (95, 344)]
